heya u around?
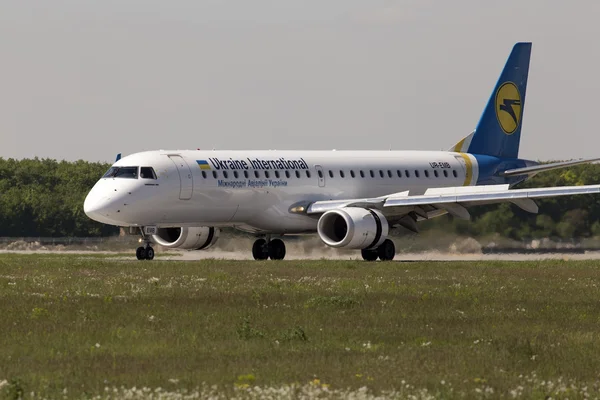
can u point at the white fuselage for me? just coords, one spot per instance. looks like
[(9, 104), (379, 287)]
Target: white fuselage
[(254, 190)]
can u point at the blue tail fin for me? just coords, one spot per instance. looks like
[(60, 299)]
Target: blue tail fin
[(499, 130)]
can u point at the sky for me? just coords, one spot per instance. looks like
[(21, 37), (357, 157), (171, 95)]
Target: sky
[(86, 79)]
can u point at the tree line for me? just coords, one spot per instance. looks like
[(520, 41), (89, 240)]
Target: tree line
[(44, 197)]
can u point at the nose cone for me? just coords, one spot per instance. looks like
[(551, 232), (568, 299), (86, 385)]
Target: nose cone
[(101, 205), (95, 206)]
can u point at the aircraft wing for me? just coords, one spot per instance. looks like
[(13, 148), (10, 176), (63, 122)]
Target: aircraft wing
[(547, 167), (453, 200)]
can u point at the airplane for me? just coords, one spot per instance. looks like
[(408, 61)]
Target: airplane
[(351, 199)]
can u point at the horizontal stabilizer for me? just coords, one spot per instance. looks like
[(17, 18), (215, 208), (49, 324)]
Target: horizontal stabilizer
[(547, 167)]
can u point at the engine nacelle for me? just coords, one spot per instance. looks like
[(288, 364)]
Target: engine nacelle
[(353, 228), (196, 238)]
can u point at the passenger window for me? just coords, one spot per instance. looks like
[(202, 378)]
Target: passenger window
[(308, 174), (277, 174), (362, 174), (381, 173), (256, 174), (246, 174), (416, 173), (235, 174), (147, 173), (454, 173), (330, 173), (399, 174), (297, 174), (406, 173), (446, 173), (287, 174), (319, 172), (341, 173), (267, 174), (389, 173), (435, 173), (215, 174), (204, 174), (225, 174), (426, 174), (372, 173), (352, 174)]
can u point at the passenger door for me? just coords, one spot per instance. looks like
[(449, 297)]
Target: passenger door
[(185, 177)]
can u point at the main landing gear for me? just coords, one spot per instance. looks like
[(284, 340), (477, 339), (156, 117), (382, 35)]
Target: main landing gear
[(263, 249), (385, 252), (145, 252)]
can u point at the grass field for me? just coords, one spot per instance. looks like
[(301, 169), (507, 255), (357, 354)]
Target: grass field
[(80, 326)]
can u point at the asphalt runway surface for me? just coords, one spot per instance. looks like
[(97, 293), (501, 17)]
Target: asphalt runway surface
[(426, 256), (183, 255)]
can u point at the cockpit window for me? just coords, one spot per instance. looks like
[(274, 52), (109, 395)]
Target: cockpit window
[(122, 172), (147, 173)]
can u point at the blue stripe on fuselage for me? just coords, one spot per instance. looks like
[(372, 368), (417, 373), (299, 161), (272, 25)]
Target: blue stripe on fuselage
[(491, 168)]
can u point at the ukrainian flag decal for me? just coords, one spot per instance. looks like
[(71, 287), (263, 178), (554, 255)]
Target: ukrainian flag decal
[(203, 164)]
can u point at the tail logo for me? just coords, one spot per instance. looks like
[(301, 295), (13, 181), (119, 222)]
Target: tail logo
[(508, 107)]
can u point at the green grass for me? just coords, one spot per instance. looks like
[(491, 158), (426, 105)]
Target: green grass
[(453, 328)]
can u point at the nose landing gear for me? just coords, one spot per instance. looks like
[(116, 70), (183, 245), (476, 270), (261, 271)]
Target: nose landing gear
[(145, 252), (263, 249)]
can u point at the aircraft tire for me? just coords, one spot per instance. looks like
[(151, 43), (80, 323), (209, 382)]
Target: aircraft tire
[(140, 253), (387, 250), (369, 255), (259, 250), (149, 253), (276, 249)]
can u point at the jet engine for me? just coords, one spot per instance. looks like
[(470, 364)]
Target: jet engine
[(353, 228), (196, 238)]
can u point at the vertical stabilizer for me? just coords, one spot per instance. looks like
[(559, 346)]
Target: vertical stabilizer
[(499, 130)]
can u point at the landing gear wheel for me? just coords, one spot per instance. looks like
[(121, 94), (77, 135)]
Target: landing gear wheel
[(260, 250), (369, 255), (140, 253), (387, 250), (276, 249), (149, 252)]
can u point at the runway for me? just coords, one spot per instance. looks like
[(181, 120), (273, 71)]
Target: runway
[(406, 257), (326, 255)]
